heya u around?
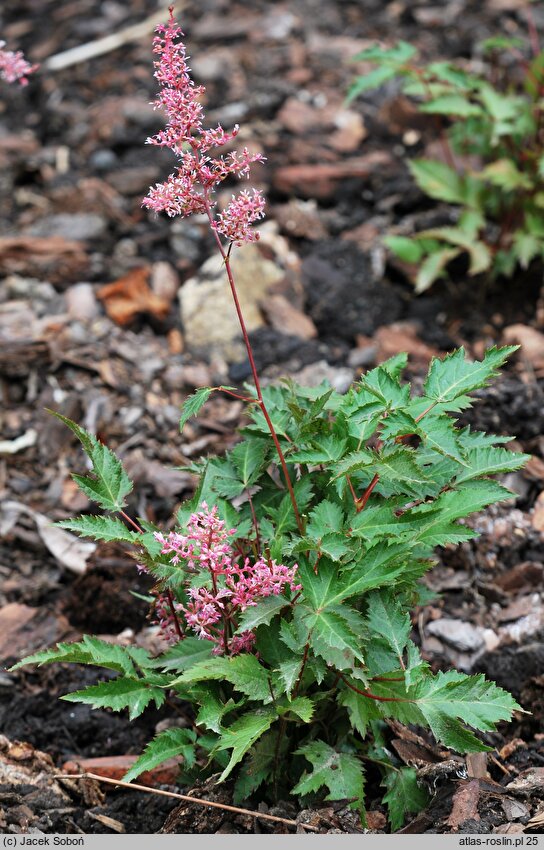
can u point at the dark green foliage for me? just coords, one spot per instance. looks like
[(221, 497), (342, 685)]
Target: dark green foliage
[(381, 478), (492, 116)]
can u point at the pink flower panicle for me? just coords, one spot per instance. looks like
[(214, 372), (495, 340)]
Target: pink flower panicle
[(14, 68), (190, 188), (165, 618), (235, 222), (230, 585)]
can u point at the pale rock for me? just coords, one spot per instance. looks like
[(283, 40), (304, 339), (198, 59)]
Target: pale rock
[(77, 226), (81, 302), (164, 280), (537, 518), (286, 318), (207, 311), (339, 378), (530, 340), (457, 633)]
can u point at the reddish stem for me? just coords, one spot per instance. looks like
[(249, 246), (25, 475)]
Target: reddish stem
[(370, 695), (235, 395), (226, 259), (366, 495), (425, 412), (352, 490), (131, 522)]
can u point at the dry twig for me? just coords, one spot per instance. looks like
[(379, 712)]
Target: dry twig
[(134, 787), (107, 44)]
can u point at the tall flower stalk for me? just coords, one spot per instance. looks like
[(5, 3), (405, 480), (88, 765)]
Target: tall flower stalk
[(191, 188)]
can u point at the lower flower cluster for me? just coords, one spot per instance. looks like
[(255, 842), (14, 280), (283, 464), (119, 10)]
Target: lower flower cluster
[(222, 583)]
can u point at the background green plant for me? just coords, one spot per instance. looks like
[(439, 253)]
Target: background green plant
[(381, 477), (492, 168)]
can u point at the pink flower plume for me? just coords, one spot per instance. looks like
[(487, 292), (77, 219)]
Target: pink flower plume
[(190, 188)]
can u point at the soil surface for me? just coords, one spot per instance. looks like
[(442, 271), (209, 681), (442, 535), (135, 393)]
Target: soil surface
[(121, 359)]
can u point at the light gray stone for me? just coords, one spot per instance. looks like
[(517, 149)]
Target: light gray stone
[(78, 226), (457, 633), (81, 302), (339, 377), (209, 318)]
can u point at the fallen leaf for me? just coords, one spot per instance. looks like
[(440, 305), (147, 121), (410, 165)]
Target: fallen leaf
[(375, 820), (403, 336), (24, 630), (70, 551), (531, 342), (509, 829), (534, 468), (319, 180), (286, 318), (537, 820), (531, 781), (130, 296), (53, 258), (13, 617), (476, 765), (465, 804), (110, 823), (511, 747), (526, 574)]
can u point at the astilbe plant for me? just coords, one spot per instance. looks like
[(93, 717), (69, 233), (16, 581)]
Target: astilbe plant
[(285, 586), (14, 68), (491, 170)]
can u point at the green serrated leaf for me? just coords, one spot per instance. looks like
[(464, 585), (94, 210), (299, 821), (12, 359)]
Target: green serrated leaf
[(407, 250), (100, 528), (387, 617), (87, 440), (332, 637), (434, 267), (341, 773), (243, 671), (451, 104), (212, 709), (193, 404), (361, 710), (243, 733), (90, 650), (490, 461), (303, 707), (258, 767), (248, 458), (438, 180), (452, 696), (447, 703), (261, 614), (289, 672), (403, 795), (455, 376), (327, 516), (134, 694), (168, 744), (375, 78), (108, 483), (184, 654)]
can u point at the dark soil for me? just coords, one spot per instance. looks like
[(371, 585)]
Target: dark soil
[(72, 144)]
